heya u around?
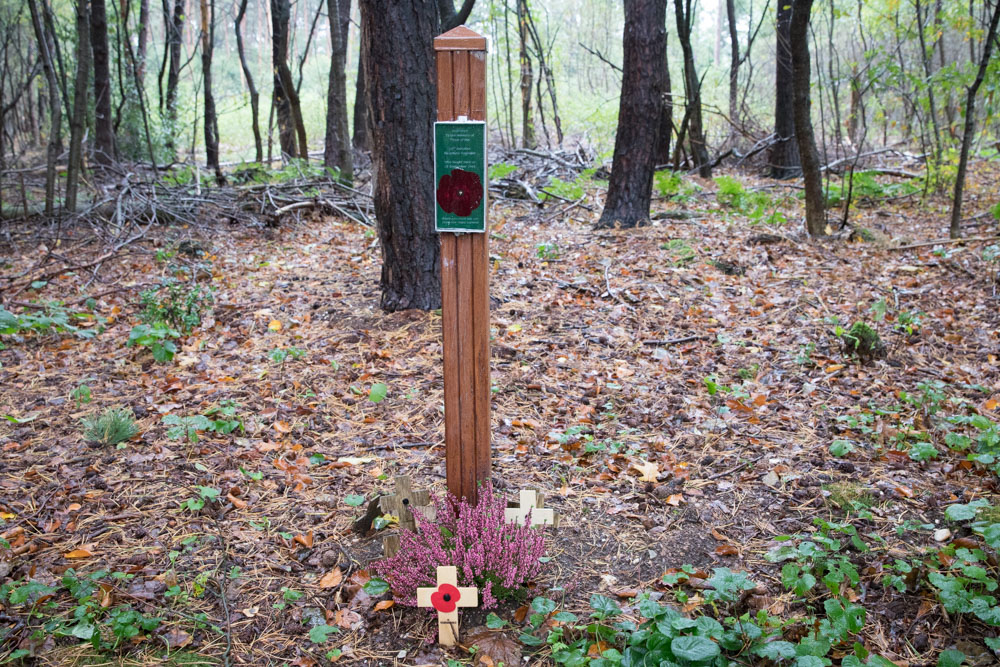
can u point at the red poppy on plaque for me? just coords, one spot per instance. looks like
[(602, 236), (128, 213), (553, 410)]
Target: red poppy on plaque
[(445, 598), (460, 192)]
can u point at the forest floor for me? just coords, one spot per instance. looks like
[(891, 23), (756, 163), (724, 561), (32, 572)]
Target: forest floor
[(677, 392)]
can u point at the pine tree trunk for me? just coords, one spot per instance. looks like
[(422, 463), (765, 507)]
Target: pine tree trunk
[(142, 37), (104, 133), (337, 147), (799, 45), (45, 50), (527, 76), (666, 129), (785, 154), (81, 85), (639, 114), (248, 75), (174, 37), (397, 46), (692, 89), (362, 135), (211, 119), (955, 227), (291, 130), (734, 72)]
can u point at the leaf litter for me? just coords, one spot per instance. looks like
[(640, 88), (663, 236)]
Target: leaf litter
[(672, 410)]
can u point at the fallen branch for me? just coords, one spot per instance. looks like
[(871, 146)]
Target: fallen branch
[(976, 239), (673, 341)]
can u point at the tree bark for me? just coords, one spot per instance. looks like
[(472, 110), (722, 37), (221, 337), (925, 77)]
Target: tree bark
[(254, 95), (397, 46), (46, 49), (734, 71), (291, 130), (799, 45), (785, 154), (955, 227), (666, 129), (925, 59), (362, 134), (527, 76), (639, 114), (104, 133), (692, 89), (211, 122), (337, 146), (80, 89), (142, 37), (173, 47)]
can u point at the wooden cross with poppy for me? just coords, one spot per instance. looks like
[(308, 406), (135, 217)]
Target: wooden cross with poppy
[(446, 599), (531, 501)]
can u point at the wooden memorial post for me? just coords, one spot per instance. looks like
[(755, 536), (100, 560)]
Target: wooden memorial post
[(461, 195)]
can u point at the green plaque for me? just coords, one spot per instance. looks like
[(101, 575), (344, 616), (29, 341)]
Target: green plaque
[(460, 176)]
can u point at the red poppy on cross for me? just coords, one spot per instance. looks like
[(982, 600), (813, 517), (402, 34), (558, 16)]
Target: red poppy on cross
[(445, 599)]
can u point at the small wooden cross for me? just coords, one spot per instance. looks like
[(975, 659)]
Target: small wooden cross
[(401, 505), (530, 501), (446, 599)]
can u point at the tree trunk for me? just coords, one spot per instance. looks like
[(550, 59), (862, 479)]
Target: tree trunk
[(734, 71), (81, 85), (142, 37), (666, 128), (361, 137), (337, 146), (211, 119), (925, 59), (104, 133), (955, 228), (527, 75), (799, 45), (254, 95), (785, 154), (692, 89), (291, 130), (46, 49), (174, 35), (397, 46), (639, 114)]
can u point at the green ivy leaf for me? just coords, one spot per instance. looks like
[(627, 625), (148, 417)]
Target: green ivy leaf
[(494, 622), (318, 634), (776, 650), (376, 587), (696, 649), (964, 512), (841, 448), (604, 607), (377, 392), (354, 500)]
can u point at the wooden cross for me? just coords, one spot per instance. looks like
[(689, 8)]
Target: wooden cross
[(402, 504), (446, 599), (531, 501)]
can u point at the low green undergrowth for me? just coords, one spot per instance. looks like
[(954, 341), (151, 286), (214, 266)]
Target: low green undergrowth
[(864, 189), (757, 206), (53, 318), (76, 608)]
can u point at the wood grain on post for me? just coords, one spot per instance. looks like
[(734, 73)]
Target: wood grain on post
[(465, 305)]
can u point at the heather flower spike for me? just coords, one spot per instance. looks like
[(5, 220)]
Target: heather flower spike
[(445, 599)]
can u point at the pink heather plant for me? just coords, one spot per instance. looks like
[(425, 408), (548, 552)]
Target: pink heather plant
[(496, 556)]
